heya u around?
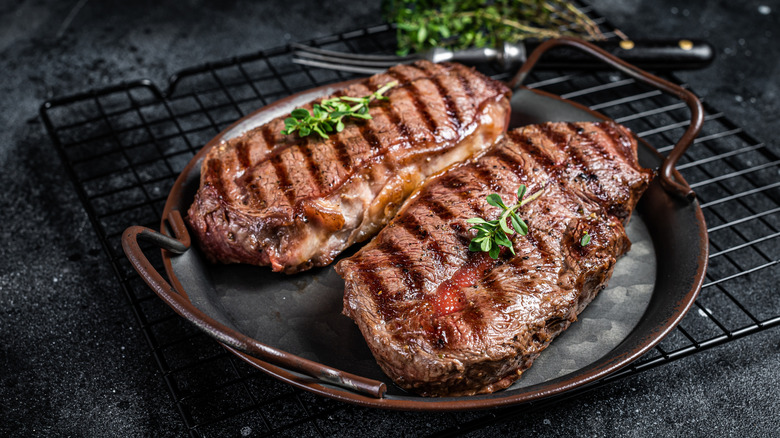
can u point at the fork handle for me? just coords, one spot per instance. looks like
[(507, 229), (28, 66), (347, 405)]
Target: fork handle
[(475, 55)]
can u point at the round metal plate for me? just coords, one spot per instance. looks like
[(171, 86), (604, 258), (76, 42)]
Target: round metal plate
[(652, 288)]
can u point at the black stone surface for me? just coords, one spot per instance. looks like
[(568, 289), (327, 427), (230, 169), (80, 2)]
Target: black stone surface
[(73, 361)]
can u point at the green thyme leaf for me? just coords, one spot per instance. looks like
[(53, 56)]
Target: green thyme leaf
[(494, 252), (495, 200), (299, 113), (521, 191), (505, 228), (519, 225), (585, 239)]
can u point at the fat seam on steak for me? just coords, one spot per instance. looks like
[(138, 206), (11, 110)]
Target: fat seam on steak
[(293, 203), (444, 321)]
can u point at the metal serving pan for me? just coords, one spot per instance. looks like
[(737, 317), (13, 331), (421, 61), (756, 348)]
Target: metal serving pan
[(291, 327)]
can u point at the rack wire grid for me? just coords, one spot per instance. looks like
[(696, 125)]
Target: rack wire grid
[(124, 146)]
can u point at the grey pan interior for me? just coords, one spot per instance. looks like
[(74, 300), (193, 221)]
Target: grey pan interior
[(651, 289)]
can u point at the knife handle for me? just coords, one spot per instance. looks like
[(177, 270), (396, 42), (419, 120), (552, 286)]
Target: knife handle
[(667, 54)]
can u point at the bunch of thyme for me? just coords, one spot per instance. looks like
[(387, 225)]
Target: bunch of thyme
[(460, 24)]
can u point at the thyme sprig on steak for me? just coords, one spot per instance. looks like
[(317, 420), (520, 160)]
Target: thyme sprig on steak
[(328, 116), (491, 235)]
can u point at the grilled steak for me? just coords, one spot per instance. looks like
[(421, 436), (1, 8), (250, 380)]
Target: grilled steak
[(293, 203), (441, 320)]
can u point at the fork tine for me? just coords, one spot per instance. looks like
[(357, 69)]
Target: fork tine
[(346, 61), (304, 49), (336, 66)]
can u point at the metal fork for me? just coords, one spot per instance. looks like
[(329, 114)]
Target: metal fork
[(662, 54), (510, 56)]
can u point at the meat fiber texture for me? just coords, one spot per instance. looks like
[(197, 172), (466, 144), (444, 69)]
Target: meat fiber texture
[(293, 203), (444, 321)]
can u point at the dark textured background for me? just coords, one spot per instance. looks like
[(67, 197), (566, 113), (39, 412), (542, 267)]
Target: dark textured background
[(72, 359)]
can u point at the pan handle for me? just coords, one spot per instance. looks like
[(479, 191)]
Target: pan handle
[(671, 180), (215, 329)]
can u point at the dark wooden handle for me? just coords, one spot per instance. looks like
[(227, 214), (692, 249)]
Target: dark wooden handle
[(217, 330), (671, 180), (656, 54)]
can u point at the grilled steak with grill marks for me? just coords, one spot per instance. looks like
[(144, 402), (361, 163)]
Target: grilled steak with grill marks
[(441, 320), (293, 203)]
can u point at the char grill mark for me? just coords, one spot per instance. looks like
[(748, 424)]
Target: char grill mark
[(460, 87), (340, 149), (437, 207), (473, 79), (534, 151), (466, 196), (382, 294), (453, 182), (594, 144), (268, 136), (315, 173), (386, 297), (484, 177), (600, 150), (413, 93), (343, 155), (555, 136), (466, 85), (597, 137), (452, 109), (594, 141), (520, 266), (352, 151), (443, 85), (412, 278), (369, 136), (214, 167), (515, 165), (285, 185), (421, 234), (242, 154), (396, 120), (496, 322)]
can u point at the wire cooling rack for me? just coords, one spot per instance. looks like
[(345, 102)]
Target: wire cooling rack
[(124, 146)]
